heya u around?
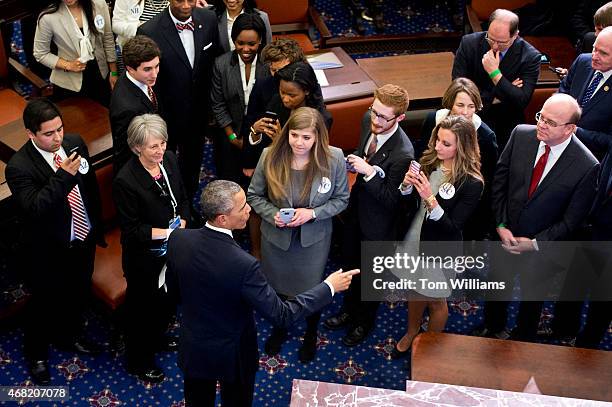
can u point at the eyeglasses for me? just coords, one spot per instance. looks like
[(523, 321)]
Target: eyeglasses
[(374, 113), (500, 43), (549, 123)]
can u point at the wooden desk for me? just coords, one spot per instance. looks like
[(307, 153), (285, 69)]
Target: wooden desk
[(508, 365), (348, 82), (81, 116), (424, 76)]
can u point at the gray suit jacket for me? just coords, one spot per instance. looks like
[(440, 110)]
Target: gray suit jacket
[(59, 28), (224, 39), (226, 95), (327, 201)]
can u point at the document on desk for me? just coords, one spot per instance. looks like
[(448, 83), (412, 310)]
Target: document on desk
[(325, 60), (321, 78)]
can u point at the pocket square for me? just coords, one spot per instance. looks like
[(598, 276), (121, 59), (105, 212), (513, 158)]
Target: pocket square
[(207, 46)]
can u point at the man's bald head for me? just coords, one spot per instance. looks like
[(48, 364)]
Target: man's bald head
[(557, 119), (602, 51), (506, 17)]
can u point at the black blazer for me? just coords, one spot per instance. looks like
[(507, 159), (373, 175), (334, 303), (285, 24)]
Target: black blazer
[(376, 203), (127, 102), (520, 61), (183, 90), (562, 200), (140, 205), (41, 195), (218, 338)]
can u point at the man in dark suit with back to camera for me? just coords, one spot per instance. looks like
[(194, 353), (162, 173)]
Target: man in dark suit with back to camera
[(188, 38), (542, 191), (504, 67), (55, 189), (133, 94), (219, 286), (373, 214)]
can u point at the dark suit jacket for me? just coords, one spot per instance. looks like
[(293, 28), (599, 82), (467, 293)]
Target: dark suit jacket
[(226, 96), (520, 61), (42, 195), (375, 204), (218, 338), (127, 102), (183, 90), (595, 121), (562, 200)]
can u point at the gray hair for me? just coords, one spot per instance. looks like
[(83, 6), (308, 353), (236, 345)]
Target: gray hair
[(218, 198), (142, 128)]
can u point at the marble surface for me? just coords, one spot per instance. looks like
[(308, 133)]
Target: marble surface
[(307, 393)]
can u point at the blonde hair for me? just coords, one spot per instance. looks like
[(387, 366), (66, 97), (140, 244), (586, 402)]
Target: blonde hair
[(277, 165), (467, 157)]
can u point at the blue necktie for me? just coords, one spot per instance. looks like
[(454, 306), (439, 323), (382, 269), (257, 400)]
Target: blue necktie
[(591, 89)]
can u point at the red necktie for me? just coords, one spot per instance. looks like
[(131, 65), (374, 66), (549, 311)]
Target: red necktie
[(79, 217), (186, 26), (372, 147), (152, 97), (538, 170)]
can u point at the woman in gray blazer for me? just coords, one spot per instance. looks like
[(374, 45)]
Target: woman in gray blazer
[(227, 12), (299, 184), (81, 30), (234, 76)]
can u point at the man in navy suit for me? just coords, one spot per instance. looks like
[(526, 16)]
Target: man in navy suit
[(504, 67), (542, 191), (55, 190), (189, 41), (133, 94), (220, 285), (589, 81), (373, 214)]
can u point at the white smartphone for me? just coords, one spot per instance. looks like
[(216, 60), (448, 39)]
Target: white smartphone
[(415, 167), (286, 214)]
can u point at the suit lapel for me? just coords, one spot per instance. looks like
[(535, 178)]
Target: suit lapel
[(171, 35), (198, 40), (38, 161), (532, 153), (563, 163), (69, 26), (385, 150), (138, 93), (601, 93), (235, 76)]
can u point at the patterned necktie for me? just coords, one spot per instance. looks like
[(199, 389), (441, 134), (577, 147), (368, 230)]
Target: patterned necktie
[(591, 89), (79, 217), (152, 97), (538, 170), (186, 26), (372, 147)]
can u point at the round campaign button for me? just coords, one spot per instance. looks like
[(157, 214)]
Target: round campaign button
[(99, 22), (324, 186), (446, 190), (84, 167)]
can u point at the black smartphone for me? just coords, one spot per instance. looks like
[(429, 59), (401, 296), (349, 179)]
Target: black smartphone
[(74, 150), (557, 70), (271, 115)]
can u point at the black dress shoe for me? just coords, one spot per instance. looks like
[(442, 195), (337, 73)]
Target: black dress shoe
[(151, 374), (355, 336), (399, 354), (338, 321), (275, 341), (82, 346), (39, 370), (308, 350), (484, 332)]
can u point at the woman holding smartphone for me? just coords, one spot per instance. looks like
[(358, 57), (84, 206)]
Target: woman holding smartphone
[(445, 191), (298, 186)]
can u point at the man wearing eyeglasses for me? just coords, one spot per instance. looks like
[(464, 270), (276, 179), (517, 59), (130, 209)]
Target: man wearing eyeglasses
[(373, 214), (542, 191), (504, 67)]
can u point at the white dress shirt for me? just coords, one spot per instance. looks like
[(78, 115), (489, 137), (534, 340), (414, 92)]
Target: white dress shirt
[(553, 156), (186, 37)]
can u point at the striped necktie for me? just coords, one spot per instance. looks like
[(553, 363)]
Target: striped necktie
[(152, 97), (591, 89), (79, 217)]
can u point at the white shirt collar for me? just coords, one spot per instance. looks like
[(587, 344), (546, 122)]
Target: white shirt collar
[(143, 87), (231, 20), (383, 137), (222, 230), (48, 156), (175, 20), (557, 150)]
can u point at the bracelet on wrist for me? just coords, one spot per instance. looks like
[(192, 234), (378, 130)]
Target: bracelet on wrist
[(232, 137), (501, 225), (114, 73), (494, 73), (429, 201)]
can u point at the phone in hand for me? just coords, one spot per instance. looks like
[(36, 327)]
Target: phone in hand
[(271, 115), (286, 214), (415, 167), (557, 70), (349, 167)]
